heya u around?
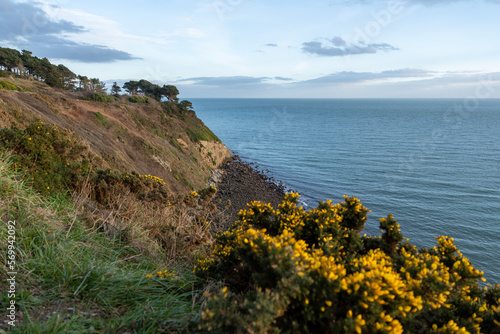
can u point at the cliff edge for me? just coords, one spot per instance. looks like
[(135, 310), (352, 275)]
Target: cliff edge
[(150, 138)]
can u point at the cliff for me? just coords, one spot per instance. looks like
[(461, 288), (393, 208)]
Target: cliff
[(149, 138)]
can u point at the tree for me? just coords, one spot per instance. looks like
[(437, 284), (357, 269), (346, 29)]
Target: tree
[(10, 59), (97, 86), (28, 61), (170, 92), (52, 78), (115, 89), (67, 77), (131, 87), (186, 105), (147, 88), (84, 83)]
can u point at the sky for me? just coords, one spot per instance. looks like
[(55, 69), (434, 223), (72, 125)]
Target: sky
[(270, 49)]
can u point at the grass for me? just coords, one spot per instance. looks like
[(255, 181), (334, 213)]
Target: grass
[(76, 279), (102, 120), (196, 130), (7, 85)]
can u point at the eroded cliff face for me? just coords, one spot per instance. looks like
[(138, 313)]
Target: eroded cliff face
[(214, 153), (150, 138)]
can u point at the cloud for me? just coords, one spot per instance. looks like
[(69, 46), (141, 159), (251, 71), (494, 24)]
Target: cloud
[(406, 82), (27, 26), (271, 45), (25, 20), (227, 81), (334, 78), (59, 48), (337, 47), (349, 77)]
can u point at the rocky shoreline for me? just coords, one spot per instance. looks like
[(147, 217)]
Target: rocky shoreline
[(240, 183)]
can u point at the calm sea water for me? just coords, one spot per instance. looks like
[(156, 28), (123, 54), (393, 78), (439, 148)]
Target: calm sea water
[(433, 163)]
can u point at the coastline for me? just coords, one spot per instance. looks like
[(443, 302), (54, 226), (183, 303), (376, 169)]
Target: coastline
[(240, 183)]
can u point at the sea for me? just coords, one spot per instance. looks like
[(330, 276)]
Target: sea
[(433, 163)]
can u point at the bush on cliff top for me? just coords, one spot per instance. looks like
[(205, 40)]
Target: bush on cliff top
[(138, 99), (290, 270), (101, 97)]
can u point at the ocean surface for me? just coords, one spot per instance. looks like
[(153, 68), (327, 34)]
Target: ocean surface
[(433, 163)]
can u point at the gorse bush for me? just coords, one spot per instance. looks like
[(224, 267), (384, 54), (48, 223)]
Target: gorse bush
[(108, 183), (56, 161), (137, 208), (291, 270), (51, 156), (79, 280)]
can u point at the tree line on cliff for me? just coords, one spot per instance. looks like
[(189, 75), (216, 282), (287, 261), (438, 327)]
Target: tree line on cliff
[(26, 65)]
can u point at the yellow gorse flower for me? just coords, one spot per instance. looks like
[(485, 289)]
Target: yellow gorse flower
[(317, 260)]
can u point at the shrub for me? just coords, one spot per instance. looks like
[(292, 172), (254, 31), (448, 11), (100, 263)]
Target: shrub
[(138, 99), (136, 208), (100, 97), (290, 270), (49, 155), (108, 183), (10, 86)]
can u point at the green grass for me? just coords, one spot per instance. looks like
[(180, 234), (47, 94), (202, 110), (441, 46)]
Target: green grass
[(196, 130), (102, 120), (11, 86), (76, 279)]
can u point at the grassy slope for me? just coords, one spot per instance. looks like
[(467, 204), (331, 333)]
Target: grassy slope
[(77, 272), (75, 279), (145, 137)]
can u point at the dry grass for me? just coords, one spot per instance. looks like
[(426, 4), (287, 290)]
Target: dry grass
[(73, 278), (138, 123), (179, 231)]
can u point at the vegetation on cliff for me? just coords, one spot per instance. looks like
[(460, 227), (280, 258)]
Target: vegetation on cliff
[(112, 215), (295, 271), (73, 277), (100, 189)]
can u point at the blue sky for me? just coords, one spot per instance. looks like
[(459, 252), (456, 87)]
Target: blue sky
[(256, 48)]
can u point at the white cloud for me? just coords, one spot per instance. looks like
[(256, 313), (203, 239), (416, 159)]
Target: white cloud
[(337, 47)]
